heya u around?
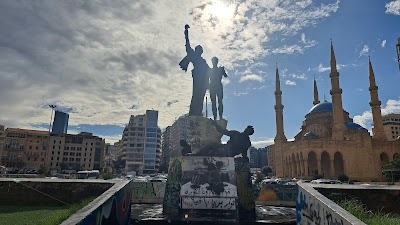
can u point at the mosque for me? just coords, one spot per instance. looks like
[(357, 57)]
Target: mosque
[(329, 143)]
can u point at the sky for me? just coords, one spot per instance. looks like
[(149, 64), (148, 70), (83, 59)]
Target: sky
[(104, 60)]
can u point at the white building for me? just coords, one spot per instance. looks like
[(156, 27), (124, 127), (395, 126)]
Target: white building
[(142, 143)]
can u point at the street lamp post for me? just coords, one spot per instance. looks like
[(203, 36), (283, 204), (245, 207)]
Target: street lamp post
[(398, 51), (51, 118)]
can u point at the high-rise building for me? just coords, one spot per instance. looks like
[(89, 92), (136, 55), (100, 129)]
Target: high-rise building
[(73, 152), (2, 137), (165, 148), (258, 157), (24, 149), (141, 146), (60, 123), (172, 136), (391, 126)]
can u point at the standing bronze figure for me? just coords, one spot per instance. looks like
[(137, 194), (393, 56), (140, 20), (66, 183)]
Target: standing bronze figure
[(216, 89), (199, 74)]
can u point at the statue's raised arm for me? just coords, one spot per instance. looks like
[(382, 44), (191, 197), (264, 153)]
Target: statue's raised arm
[(189, 49), (184, 63)]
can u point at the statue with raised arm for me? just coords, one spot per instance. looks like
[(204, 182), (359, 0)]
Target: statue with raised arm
[(199, 74), (215, 87)]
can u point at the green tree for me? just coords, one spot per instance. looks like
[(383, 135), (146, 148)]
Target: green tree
[(43, 170), (259, 178), (392, 170), (266, 170)]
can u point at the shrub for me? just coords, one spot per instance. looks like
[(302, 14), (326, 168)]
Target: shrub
[(343, 178)]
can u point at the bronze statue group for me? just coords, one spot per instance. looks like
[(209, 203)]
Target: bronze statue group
[(205, 78)]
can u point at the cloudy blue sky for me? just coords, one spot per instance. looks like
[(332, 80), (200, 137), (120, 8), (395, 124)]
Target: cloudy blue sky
[(103, 60)]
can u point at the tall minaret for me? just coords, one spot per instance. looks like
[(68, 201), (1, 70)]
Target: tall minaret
[(280, 134), (377, 131), (280, 137), (336, 92), (316, 99)]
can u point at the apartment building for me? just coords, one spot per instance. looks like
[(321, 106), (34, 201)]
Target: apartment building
[(391, 126), (73, 152), (23, 148)]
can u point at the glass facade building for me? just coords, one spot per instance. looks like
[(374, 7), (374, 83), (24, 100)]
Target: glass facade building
[(60, 123)]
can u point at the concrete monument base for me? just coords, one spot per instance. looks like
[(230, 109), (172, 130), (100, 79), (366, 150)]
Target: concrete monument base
[(209, 188)]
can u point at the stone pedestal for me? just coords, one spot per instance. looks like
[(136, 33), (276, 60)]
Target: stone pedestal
[(203, 133), (201, 188)]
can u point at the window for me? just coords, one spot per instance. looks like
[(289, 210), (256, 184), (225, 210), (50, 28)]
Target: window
[(30, 147), (37, 147)]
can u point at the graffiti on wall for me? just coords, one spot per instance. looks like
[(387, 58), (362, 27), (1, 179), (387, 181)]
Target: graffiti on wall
[(116, 210), (148, 190), (310, 210), (208, 203)]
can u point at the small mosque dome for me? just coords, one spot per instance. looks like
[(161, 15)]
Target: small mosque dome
[(354, 126), (321, 107), (310, 134)]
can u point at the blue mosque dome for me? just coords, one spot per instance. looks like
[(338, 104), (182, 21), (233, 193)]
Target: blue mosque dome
[(321, 107), (310, 134), (354, 126)]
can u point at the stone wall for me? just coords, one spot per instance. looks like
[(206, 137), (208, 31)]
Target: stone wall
[(378, 198), (148, 192), (314, 208), (28, 191)]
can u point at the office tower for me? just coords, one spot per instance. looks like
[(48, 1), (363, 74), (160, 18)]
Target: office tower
[(60, 123)]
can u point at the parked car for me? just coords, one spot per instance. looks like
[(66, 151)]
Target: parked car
[(325, 181)]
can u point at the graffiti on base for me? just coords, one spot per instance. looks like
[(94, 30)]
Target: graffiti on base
[(148, 190), (208, 177), (309, 210), (209, 203), (171, 203)]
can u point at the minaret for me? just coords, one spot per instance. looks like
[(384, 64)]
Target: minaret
[(336, 92), (377, 131), (316, 99), (280, 134), (280, 137)]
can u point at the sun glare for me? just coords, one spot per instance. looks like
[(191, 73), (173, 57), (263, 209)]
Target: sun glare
[(220, 10)]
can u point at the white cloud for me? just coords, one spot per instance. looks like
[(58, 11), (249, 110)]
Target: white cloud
[(263, 143), (307, 43), (251, 77), (365, 119), (288, 49), (301, 76), (393, 7), (321, 68), (364, 51), (290, 82), (98, 59), (383, 44)]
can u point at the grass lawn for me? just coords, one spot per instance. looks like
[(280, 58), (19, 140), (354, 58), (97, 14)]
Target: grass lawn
[(38, 215), (371, 218)]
